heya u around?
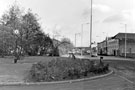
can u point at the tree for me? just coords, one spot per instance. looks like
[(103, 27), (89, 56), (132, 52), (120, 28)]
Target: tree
[(6, 40), (30, 38), (62, 46), (33, 35), (43, 43), (47, 44), (67, 44), (12, 20)]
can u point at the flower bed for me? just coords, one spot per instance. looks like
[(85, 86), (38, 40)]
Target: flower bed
[(64, 69)]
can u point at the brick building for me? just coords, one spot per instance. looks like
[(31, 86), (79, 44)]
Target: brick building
[(102, 47), (116, 45)]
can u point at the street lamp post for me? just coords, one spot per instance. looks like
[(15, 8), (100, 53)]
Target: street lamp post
[(99, 37), (125, 40), (75, 37), (82, 40), (125, 25), (16, 54), (75, 40), (106, 40), (82, 36), (90, 28)]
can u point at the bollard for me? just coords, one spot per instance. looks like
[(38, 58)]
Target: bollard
[(101, 58), (15, 60)]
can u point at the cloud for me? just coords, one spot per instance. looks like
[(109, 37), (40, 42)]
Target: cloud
[(97, 9), (102, 8), (127, 14), (114, 18), (86, 13), (123, 16)]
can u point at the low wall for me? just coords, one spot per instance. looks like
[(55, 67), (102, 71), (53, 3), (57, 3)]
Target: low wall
[(130, 55)]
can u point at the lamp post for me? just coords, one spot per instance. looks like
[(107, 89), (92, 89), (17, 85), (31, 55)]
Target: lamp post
[(75, 40), (105, 34), (99, 39), (82, 40), (125, 25), (125, 40), (106, 40), (82, 36), (75, 37), (90, 28), (16, 52)]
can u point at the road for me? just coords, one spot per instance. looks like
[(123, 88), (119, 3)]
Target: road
[(112, 82), (104, 57), (109, 58)]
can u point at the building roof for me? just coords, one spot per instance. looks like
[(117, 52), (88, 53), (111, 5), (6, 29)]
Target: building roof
[(122, 36)]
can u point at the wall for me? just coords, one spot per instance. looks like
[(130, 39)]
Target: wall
[(130, 48)]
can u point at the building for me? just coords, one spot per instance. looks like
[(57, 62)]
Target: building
[(112, 47), (102, 47), (122, 44)]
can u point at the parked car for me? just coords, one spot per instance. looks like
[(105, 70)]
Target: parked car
[(94, 55)]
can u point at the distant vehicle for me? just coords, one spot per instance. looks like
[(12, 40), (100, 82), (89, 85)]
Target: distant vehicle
[(76, 52), (88, 51), (94, 54)]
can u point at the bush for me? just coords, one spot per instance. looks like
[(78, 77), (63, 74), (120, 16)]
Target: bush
[(59, 69)]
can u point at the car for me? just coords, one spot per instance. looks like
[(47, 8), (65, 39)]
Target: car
[(94, 55)]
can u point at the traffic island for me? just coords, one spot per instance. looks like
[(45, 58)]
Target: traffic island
[(18, 83), (62, 70)]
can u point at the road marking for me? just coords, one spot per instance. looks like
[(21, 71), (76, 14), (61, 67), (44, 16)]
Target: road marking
[(115, 73), (125, 78)]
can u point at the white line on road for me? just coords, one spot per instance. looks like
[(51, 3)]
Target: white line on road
[(125, 78)]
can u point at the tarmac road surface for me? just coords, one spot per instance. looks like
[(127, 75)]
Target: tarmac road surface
[(112, 82)]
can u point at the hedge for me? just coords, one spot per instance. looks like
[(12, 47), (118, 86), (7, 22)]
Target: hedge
[(64, 69)]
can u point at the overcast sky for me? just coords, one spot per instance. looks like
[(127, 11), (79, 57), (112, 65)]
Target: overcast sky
[(66, 17)]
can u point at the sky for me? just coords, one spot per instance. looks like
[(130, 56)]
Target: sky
[(66, 17)]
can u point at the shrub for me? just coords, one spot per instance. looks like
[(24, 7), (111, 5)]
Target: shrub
[(38, 72), (62, 69)]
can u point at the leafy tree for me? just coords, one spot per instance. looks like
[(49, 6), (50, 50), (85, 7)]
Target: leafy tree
[(67, 44), (46, 45), (61, 46), (35, 39), (42, 42), (30, 38), (12, 19), (6, 40)]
